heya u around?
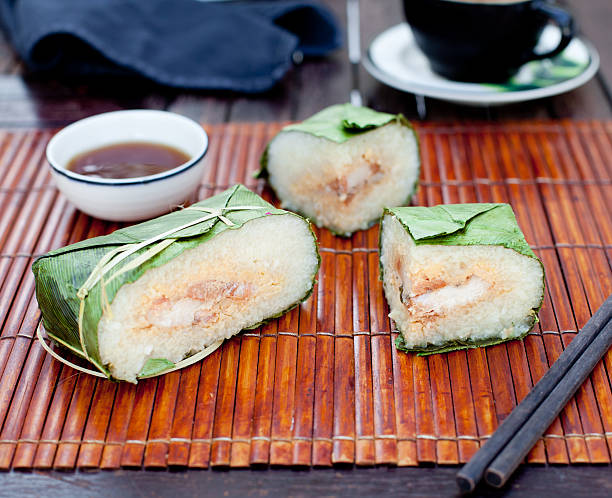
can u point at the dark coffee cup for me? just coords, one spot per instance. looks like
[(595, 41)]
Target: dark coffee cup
[(483, 40)]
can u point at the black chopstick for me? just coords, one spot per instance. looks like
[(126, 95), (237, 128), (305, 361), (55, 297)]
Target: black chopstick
[(511, 456), (472, 472)]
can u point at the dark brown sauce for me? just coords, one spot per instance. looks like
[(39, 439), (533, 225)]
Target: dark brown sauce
[(127, 160)]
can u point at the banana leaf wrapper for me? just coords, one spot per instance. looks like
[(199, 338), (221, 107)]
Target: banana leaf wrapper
[(74, 284)]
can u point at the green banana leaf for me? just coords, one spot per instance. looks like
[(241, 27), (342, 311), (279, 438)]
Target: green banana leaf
[(462, 225), (453, 345), (72, 301)]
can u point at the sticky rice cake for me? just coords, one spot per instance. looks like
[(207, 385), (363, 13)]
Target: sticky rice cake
[(342, 179), (160, 295), (444, 297), (210, 292)]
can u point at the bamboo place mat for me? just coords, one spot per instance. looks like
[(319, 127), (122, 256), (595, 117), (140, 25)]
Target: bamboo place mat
[(324, 384)]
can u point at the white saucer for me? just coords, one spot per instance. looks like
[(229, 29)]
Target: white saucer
[(395, 59)]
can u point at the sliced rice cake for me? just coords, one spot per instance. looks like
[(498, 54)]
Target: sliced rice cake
[(343, 165), (157, 296), (458, 276)]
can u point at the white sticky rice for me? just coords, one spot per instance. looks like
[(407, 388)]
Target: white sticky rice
[(213, 291), (344, 186)]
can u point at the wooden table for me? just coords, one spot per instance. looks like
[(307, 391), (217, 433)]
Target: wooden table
[(28, 100), (32, 101)]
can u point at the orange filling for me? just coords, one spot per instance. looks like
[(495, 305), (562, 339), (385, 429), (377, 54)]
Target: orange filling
[(202, 304)]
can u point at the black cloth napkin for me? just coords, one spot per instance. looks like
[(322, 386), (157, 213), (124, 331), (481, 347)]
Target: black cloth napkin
[(241, 46)]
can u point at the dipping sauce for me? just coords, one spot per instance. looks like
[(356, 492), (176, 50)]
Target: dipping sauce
[(127, 160)]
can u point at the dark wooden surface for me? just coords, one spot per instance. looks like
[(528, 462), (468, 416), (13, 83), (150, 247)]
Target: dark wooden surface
[(542, 482), (30, 100)]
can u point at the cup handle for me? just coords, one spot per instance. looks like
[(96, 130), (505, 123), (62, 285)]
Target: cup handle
[(561, 18)]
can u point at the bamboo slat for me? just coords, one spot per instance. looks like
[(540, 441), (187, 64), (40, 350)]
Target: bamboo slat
[(324, 354), (156, 449), (362, 349), (182, 418), (324, 384), (264, 390), (281, 452), (224, 408), (343, 449), (245, 401), (90, 453), (305, 382)]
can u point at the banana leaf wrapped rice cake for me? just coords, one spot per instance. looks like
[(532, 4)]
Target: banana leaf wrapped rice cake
[(458, 276), (157, 296), (341, 166)]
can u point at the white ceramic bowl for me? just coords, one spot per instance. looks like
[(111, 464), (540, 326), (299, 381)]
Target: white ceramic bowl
[(129, 199)]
